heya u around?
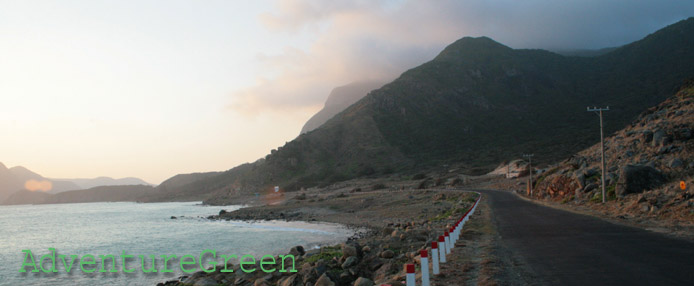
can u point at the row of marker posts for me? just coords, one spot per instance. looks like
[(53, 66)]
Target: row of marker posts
[(439, 249)]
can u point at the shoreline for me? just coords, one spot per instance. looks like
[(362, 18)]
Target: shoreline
[(395, 225)]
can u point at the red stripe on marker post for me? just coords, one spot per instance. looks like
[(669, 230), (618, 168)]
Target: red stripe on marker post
[(409, 278)]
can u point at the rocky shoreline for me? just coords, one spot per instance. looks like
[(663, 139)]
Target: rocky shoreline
[(392, 226)]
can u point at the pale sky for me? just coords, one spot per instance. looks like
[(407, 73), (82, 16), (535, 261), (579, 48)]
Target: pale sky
[(151, 89)]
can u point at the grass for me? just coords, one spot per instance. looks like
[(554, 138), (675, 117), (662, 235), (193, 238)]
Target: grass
[(326, 253), (609, 191), (448, 213)]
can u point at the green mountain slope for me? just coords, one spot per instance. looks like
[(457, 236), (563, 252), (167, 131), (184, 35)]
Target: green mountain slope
[(476, 104)]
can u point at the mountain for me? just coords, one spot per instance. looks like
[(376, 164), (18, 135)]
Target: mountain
[(339, 99), (96, 194), (15, 179), (104, 181), (476, 104), (8, 183)]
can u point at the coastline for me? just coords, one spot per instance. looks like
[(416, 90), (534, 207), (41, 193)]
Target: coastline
[(395, 224)]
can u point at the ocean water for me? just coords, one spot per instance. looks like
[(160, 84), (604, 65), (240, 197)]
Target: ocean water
[(111, 228)]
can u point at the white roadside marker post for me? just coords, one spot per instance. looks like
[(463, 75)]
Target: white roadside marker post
[(435, 258), (447, 241), (424, 260), (442, 249)]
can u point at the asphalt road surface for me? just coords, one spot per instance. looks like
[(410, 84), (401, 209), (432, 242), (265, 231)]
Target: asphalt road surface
[(563, 248)]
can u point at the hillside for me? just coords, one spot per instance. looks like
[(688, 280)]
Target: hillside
[(96, 194), (14, 179), (102, 181), (476, 104), (645, 161), (339, 99)]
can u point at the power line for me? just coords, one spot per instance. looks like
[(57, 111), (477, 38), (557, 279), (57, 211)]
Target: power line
[(530, 171), (602, 145)]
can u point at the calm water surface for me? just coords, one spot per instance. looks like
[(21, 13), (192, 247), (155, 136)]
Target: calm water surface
[(110, 228)]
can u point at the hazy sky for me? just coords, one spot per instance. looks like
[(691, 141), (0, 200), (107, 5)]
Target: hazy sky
[(155, 88)]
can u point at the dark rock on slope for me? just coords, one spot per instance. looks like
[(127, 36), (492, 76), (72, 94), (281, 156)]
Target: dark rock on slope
[(339, 99)]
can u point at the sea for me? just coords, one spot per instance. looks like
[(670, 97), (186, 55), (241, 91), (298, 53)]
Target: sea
[(139, 228)]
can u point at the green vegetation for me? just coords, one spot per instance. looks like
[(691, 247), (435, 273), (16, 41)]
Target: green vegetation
[(448, 213), (609, 192), (326, 253)]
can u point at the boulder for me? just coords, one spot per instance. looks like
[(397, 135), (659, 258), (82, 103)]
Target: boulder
[(590, 187), (676, 163), (349, 262), (637, 178), (324, 280), (580, 178), (349, 250), (385, 270), (361, 281), (660, 138), (297, 250), (647, 136), (261, 282), (683, 134), (387, 253), (206, 282), (293, 280)]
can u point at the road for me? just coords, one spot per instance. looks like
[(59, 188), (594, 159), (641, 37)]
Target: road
[(563, 248)]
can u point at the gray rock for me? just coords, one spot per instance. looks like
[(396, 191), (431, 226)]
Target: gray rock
[(684, 134), (261, 282), (590, 187), (676, 163), (387, 253), (592, 172), (205, 281), (349, 250), (290, 281), (297, 250), (637, 178), (660, 138), (324, 280), (349, 262), (647, 136), (361, 281), (580, 178)]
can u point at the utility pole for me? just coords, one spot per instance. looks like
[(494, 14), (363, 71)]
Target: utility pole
[(602, 145), (530, 171)]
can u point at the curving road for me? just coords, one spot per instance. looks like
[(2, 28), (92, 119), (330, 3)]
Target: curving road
[(563, 248)]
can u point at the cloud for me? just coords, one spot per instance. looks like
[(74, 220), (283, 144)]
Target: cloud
[(378, 40)]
